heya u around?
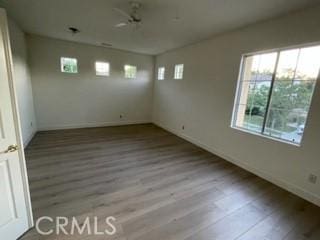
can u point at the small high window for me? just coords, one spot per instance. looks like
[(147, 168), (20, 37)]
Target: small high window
[(130, 71), (178, 71), (102, 69), (275, 92), (69, 65), (161, 72)]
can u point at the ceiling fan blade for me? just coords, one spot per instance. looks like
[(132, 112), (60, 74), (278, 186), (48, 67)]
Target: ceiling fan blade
[(123, 13), (119, 25)]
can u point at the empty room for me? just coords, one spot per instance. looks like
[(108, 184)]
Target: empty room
[(159, 120)]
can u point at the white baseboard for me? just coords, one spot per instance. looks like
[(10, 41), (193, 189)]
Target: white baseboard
[(27, 141), (275, 180), (91, 125)]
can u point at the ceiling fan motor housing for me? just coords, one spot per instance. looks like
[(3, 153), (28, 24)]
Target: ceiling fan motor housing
[(134, 15), (135, 5)]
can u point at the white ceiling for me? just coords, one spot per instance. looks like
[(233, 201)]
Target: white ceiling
[(198, 19)]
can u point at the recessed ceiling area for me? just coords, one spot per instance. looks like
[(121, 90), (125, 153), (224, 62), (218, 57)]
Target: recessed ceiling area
[(166, 24)]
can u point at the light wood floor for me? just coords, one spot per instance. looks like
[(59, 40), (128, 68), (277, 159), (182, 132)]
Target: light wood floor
[(158, 187)]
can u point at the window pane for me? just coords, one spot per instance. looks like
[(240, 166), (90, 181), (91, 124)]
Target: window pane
[(130, 71), (178, 71), (302, 92), (261, 93), (255, 93), (287, 64), (69, 65), (259, 67), (281, 95), (292, 93), (161, 72), (308, 64), (266, 67), (250, 117), (102, 68), (285, 124)]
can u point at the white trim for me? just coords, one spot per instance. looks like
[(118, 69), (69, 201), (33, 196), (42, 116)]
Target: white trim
[(16, 117), (90, 125), (275, 180), (237, 95), (302, 45), (266, 136), (28, 139)]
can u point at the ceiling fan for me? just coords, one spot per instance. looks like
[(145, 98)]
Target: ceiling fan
[(133, 17)]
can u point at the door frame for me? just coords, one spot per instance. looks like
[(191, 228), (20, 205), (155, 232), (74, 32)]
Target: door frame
[(16, 117)]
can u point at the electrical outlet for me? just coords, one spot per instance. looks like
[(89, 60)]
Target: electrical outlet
[(313, 178), (182, 127)]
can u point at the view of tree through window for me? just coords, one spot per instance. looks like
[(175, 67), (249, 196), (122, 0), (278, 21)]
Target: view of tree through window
[(69, 65), (275, 92), (130, 71)]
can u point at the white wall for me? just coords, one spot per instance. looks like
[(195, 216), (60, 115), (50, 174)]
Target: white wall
[(203, 102), (65, 100), (23, 82)]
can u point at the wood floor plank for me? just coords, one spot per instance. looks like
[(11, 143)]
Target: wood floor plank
[(158, 186)]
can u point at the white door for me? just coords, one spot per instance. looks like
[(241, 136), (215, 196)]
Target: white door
[(15, 207)]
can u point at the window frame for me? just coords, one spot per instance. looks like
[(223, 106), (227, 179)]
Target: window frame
[(162, 77), (61, 65), (238, 93), (125, 73), (102, 74), (176, 71)]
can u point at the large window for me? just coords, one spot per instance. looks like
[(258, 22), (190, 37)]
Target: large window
[(178, 71), (102, 69), (69, 65), (130, 71), (275, 92)]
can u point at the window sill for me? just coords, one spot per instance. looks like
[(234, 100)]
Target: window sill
[(266, 136)]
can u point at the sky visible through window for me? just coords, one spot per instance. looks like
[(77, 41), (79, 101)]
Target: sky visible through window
[(178, 71), (102, 68), (161, 72)]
